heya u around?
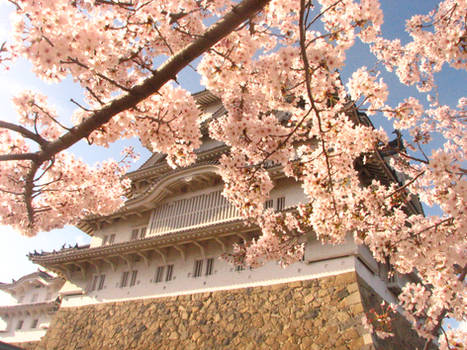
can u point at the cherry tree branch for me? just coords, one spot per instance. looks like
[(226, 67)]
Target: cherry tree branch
[(306, 66), (443, 314), (18, 156), (132, 96), (23, 131)]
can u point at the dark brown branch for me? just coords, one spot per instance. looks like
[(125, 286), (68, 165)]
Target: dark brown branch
[(80, 106), (23, 131), (168, 71), (165, 73), (18, 156), (28, 191), (50, 116), (95, 96), (306, 66), (406, 185), (52, 162)]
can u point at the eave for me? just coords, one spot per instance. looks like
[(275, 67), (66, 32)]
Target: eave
[(162, 168), (69, 260), (40, 277), (30, 308)]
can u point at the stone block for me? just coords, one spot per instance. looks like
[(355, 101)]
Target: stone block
[(316, 314)]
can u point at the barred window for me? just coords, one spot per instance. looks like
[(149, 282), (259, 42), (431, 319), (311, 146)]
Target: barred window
[(93, 286), (168, 276), (112, 238), (159, 274), (101, 282), (124, 279), (134, 234), (239, 268), (20, 324), (209, 264), (134, 274), (269, 204), (34, 323), (198, 268), (280, 203)]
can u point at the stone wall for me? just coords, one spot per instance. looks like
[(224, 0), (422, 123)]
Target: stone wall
[(29, 345), (315, 314)]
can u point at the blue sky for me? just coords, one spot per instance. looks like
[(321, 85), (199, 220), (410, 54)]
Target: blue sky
[(14, 247)]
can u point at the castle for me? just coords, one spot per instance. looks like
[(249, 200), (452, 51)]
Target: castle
[(28, 319), (152, 276)]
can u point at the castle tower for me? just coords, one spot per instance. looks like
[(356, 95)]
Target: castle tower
[(152, 276)]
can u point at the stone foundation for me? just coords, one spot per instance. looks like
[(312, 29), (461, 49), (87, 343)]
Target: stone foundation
[(315, 314), (30, 345)]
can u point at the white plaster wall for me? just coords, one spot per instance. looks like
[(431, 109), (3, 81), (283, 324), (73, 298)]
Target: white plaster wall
[(291, 190), (25, 292), (27, 289), (27, 295), (319, 261), (26, 333), (122, 229), (224, 275)]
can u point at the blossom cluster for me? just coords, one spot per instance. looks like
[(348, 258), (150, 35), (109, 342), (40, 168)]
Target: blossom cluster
[(278, 77)]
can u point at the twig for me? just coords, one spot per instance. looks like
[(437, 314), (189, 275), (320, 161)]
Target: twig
[(80, 106)]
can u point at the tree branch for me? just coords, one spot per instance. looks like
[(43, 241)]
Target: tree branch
[(168, 71), (18, 156), (23, 131), (443, 314), (165, 73)]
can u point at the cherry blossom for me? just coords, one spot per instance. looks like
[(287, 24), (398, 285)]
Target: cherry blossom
[(275, 65)]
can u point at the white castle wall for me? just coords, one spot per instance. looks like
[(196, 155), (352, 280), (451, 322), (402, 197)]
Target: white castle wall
[(34, 322), (122, 229), (26, 333), (224, 274), (319, 261)]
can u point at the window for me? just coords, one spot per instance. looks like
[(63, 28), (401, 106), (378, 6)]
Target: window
[(48, 296), (168, 275), (94, 283), (108, 239), (138, 233), (34, 298), (198, 268), (209, 263), (159, 274), (124, 280), (20, 324), (134, 274), (101, 282), (239, 268), (269, 204), (134, 234), (280, 203), (34, 323)]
